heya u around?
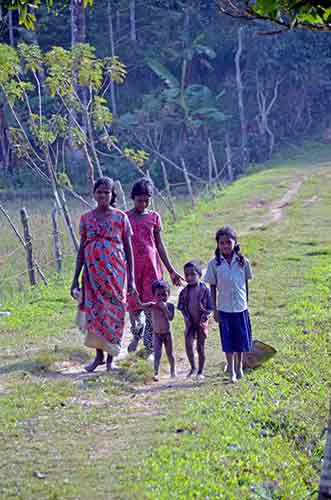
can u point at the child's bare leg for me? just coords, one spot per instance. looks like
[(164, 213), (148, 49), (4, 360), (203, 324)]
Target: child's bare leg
[(189, 340), (98, 360), (240, 359), (201, 353), (170, 354), (158, 341), (230, 359)]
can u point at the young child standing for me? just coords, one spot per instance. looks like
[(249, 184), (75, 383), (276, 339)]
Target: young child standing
[(149, 251), (228, 274), (162, 313), (196, 306)]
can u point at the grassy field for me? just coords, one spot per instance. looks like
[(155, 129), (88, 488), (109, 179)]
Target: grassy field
[(68, 436)]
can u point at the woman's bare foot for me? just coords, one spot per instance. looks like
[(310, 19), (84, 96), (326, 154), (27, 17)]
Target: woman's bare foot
[(240, 373), (109, 363), (98, 360), (192, 373)]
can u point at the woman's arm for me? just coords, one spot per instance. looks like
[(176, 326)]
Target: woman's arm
[(129, 258), (213, 291), (160, 246), (78, 269)]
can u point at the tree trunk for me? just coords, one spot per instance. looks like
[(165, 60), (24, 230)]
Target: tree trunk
[(228, 155), (28, 247), (120, 195), (11, 28), (188, 182), (133, 32), (78, 22), (78, 35), (112, 51), (168, 191), (4, 143), (56, 240), (240, 89)]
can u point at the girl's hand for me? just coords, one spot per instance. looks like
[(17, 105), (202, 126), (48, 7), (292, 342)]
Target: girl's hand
[(176, 278), (217, 316)]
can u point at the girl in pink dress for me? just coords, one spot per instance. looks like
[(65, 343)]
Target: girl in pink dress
[(148, 251), (105, 256)]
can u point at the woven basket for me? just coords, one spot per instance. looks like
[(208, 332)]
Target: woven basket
[(260, 353)]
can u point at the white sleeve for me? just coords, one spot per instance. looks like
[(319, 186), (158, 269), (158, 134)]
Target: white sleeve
[(210, 276)]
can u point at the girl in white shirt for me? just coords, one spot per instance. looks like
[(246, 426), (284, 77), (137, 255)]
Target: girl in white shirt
[(228, 274)]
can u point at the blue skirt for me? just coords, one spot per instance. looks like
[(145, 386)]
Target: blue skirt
[(236, 331)]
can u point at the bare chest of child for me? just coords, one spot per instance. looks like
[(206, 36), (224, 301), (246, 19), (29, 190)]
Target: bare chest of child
[(161, 314)]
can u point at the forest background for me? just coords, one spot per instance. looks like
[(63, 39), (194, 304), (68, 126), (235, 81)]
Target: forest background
[(188, 83)]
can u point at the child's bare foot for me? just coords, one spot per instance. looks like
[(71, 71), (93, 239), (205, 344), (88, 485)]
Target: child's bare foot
[(109, 363), (132, 347), (233, 378), (192, 373), (156, 377), (98, 360)]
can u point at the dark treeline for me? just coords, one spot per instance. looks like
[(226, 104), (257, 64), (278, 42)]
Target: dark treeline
[(197, 81)]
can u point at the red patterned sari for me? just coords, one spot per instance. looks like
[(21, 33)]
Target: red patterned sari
[(104, 276)]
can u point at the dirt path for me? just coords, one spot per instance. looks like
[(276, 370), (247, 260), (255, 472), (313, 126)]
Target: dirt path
[(275, 209)]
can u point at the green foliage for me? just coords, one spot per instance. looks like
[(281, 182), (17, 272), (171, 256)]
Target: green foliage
[(102, 116), (307, 14), (27, 8), (138, 156), (64, 180), (59, 94)]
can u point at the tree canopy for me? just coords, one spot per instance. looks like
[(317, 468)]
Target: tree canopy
[(291, 14)]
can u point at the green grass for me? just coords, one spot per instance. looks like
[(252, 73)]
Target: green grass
[(113, 437)]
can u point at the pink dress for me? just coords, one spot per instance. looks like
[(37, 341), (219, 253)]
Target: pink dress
[(104, 276), (147, 262)]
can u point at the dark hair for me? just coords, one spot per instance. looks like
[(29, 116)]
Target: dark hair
[(160, 285), (107, 181), (142, 187), (230, 233), (194, 264)]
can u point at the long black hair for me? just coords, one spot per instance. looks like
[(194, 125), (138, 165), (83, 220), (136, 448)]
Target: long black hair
[(230, 233), (106, 181), (142, 187)]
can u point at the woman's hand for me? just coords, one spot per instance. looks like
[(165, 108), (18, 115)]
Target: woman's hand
[(74, 286), (176, 278), (217, 316), (132, 288)]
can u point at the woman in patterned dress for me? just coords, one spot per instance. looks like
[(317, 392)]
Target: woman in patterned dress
[(106, 255)]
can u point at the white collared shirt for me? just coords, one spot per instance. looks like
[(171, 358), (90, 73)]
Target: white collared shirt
[(230, 281)]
